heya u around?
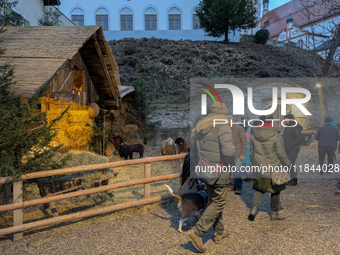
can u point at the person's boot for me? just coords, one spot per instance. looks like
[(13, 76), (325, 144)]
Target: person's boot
[(196, 240), (238, 191), (218, 238), (252, 213), (292, 182), (276, 216)]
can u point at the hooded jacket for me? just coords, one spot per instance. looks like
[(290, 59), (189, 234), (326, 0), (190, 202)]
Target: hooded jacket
[(216, 143), (333, 123), (292, 136), (273, 147), (327, 136)]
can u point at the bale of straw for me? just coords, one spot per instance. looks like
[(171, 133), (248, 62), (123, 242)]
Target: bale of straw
[(130, 129), (74, 129), (79, 158), (130, 134)]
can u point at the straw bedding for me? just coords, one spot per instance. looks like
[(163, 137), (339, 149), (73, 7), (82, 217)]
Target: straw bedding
[(74, 129)]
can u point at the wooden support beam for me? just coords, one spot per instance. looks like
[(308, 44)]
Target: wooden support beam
[(68, 77), (111, 103), (53, 209), (147, 174), (104, 65), (63, 96), (18, 214)]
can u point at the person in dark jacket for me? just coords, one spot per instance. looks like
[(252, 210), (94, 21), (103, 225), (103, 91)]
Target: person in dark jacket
[(245, 125), (216, 146), (292, 137), (268, 137), (241, 148), (327, 137)]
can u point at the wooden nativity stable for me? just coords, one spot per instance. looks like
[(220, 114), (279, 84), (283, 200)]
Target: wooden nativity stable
[(65, 66)]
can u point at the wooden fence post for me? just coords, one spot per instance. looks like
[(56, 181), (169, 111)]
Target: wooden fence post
[(18, 214), (147, 174)]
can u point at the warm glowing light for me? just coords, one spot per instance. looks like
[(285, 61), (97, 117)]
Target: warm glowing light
[(318, 85)]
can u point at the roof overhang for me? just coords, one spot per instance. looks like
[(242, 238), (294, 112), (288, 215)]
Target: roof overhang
[(125, 90)]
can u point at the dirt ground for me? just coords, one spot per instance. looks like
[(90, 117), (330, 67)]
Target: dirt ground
[(311, 226)]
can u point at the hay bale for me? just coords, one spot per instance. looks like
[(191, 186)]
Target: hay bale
[(79, 158), (130, 134), (74, 129), (130, 129)]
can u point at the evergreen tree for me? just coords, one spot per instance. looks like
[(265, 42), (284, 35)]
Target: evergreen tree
[(7, 16), (50, 17), (25, 136), (218, 17)]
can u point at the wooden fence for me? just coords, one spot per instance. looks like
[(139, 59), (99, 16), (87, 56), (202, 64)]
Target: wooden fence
[(18, 204)]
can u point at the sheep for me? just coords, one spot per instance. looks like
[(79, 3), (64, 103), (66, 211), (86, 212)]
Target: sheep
[(182, 145), (137, 148), (124, 151), (168, 147)]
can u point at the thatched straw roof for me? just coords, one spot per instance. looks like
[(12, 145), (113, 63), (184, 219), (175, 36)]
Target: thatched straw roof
[(39, 52)]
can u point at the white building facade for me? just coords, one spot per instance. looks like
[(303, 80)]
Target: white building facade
[(166, 19), (290, 24), (32, 10)]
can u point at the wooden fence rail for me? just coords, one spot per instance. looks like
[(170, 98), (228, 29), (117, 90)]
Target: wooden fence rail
[(71, 170), (18, 203)]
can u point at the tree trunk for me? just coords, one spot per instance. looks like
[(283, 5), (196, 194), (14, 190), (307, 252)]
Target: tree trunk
[(226, 34)]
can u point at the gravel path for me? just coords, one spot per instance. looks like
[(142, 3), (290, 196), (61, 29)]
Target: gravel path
[(312, 226)]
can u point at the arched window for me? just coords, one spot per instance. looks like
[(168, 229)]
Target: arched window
[(300, 44), (126, 19), (102, 18), (196, 22), (150, 18), (174, 19), (77, 16)]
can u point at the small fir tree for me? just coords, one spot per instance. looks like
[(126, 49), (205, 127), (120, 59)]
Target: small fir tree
[(218, 17)]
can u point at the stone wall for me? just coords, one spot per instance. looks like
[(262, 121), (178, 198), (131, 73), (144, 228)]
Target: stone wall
[(174, 120)]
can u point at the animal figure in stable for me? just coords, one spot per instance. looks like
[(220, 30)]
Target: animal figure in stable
[(189, 203), (125, 151), (139, 148), (182, 145)]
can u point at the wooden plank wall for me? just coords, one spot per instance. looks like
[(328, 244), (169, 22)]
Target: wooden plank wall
[(63, 89)]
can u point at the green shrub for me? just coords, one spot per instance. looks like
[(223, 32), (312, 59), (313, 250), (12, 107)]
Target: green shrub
[(262, 36)]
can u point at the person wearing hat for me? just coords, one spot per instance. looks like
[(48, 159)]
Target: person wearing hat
[(216, 147), (292, 137), (327, 135)]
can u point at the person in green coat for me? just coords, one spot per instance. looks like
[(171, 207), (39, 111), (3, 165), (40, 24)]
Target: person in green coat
[(216, 146), (273, 147)]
